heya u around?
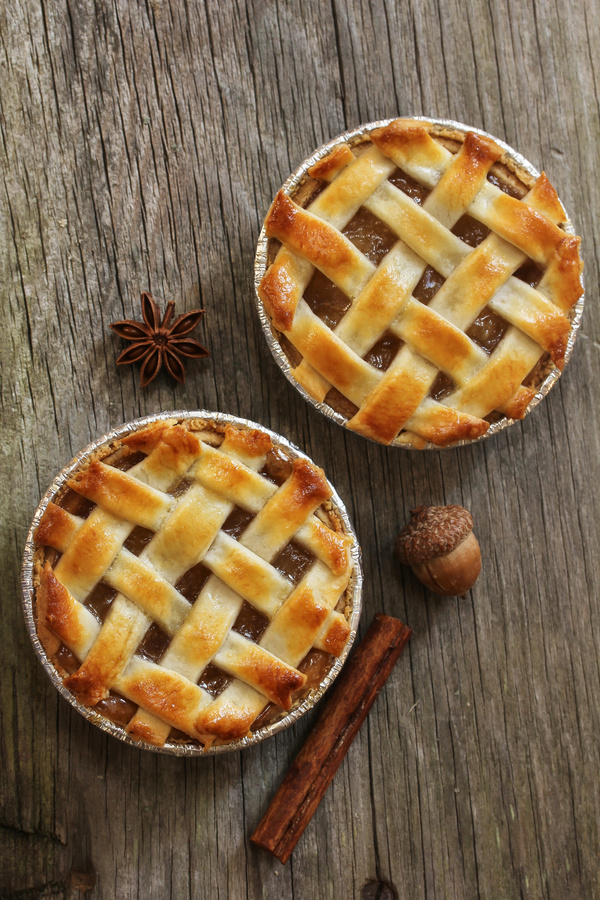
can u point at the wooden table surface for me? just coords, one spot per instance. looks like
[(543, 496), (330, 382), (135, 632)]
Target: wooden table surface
[(141, 144)]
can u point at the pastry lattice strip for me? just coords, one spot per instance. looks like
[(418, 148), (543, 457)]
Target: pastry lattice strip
[(381, 297), (189, 530)]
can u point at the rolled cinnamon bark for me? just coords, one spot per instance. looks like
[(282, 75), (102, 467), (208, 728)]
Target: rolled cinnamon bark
[(307, 780)]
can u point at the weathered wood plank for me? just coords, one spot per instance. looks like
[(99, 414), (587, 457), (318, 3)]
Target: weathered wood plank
[(140, 145)]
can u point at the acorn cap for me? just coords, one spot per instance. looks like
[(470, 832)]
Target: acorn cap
[(431, 532)]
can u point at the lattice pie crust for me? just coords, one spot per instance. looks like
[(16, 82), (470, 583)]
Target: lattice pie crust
[(450, 314), (197, 582)]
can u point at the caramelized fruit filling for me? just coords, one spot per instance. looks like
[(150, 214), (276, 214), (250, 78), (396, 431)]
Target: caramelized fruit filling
[(154, 643), (428, 285), (127, 459), (191, 582), (117, 708), (293, 561), (370, 235), (251, 622), (530, 273), (487, 329), (417, 192), (66, 660), (315, 666), (517, 189), (340, 404), (99, 599), (294, 356), (277, 468), (181, 487), (470, 231), (441, 387), (383, 351), (214, 680), (237, 521), (326, 300), (138, 539), (75, 504)]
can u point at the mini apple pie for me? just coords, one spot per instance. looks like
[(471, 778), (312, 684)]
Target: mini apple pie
[(191, 579), (420, 282)]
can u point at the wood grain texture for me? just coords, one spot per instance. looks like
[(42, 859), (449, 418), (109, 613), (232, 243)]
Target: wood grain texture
[(140, 146)]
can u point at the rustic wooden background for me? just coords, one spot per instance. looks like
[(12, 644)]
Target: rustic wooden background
[(141, 143)]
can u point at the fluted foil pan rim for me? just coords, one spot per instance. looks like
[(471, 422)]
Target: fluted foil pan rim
[(261, 259), (182, 748)]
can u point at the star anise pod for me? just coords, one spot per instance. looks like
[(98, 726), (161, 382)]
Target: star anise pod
[(156, 343)]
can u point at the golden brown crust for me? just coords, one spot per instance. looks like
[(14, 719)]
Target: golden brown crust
[(547, 202), (58, 608), (310, 236), (223, 721), (146, 439), (326, 168), (332, 547), (527, 229), (110, 653), (308, 487), (167, 694), (142, 731), (456, 427), (178, 448), (279, 295), (88, 686), (479, 151), (336, 636), (390, 405), (403, 135), (250, 442), (275, 679), (563, 275), (117, 492), (517, 405), (56, 529)]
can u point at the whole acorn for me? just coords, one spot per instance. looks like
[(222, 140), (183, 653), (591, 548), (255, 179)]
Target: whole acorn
[(439, 544)]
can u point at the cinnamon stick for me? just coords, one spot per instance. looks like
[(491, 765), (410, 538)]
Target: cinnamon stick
[(309, 776)]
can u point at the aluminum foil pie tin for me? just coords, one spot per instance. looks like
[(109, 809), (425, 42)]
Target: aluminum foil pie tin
[(183, 748), (261, 263)]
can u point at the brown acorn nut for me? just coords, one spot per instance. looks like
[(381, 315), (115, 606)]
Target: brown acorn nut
[(439, 544)]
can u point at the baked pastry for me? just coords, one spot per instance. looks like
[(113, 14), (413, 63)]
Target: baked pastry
[(190, 578), (420, 282)]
